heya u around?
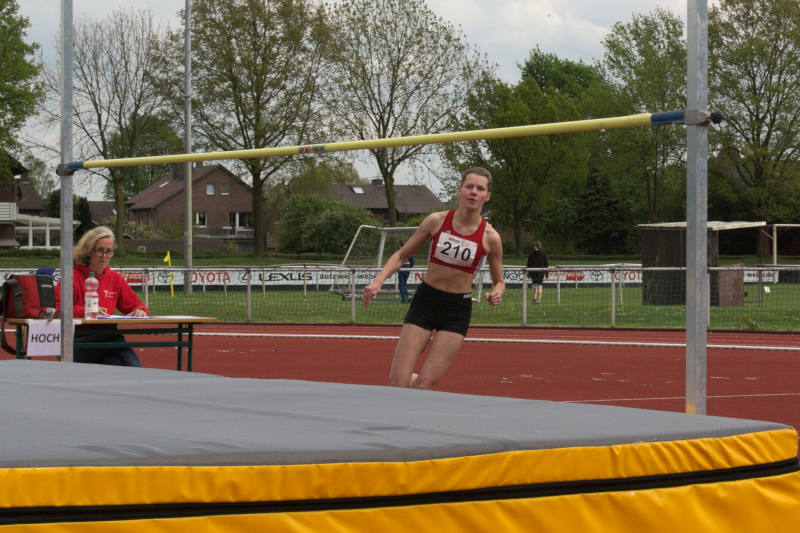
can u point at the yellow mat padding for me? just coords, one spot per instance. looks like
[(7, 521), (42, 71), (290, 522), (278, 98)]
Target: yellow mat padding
[(134, 485), (745, 506)]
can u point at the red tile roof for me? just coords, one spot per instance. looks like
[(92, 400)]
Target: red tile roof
[(409, 199), (169, 186)]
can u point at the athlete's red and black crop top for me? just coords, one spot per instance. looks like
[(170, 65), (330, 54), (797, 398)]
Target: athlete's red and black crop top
[(451, 249)]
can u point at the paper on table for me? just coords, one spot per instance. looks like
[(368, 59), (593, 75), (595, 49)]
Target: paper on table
[(117, 317)]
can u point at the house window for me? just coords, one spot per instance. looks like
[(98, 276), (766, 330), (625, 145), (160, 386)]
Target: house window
[(210, 189), (224, 189), (240, 220), (358, 190), (199, 218)]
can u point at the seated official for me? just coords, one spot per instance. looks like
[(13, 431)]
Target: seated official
[(93, 253)]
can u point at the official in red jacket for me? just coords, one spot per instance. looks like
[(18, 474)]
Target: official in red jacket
[(93, 253)]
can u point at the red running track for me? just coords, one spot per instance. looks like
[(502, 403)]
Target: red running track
[(546, 364)]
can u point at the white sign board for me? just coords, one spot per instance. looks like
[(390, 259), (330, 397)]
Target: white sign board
[(44, 337)]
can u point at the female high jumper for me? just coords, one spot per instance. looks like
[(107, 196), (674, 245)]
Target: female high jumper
[(460, 239)]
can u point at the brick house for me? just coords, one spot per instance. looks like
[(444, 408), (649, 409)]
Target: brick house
[(22, 211), (410, 200), (221, 203), (8, 206)]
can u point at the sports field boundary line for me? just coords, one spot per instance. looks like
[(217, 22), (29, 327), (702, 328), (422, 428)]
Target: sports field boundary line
[(508, 341)]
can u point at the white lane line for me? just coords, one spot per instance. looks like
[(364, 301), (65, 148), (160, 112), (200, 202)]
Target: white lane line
[(662, 398), (510, 341), (300, 336)]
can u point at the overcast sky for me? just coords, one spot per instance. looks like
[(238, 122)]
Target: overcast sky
[(505, 30)]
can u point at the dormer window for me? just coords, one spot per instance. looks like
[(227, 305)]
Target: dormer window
[(357, 189)]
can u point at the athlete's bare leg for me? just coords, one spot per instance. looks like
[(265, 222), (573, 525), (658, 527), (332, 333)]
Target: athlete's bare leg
[(413, 340), (441, 353)]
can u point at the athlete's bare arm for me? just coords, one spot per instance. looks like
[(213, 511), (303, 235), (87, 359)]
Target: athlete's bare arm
[(494, 249), (426, 229)]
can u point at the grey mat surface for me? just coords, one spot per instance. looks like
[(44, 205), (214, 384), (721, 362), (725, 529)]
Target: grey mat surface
[(57, 414)]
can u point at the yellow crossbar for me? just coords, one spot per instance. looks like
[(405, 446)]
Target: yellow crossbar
[(642, 119)]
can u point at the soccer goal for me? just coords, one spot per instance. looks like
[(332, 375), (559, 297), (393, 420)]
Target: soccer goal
[(371, 247), (785, 241)]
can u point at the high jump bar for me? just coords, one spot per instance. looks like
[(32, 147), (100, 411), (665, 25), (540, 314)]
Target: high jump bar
[(683, 116)]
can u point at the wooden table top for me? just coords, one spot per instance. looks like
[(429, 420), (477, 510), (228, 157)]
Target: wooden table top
[(155, 319)]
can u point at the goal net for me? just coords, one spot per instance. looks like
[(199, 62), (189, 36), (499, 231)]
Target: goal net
[(784, 242), (370, 248)]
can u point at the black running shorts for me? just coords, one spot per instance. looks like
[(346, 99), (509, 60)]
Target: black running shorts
[(443, 311)]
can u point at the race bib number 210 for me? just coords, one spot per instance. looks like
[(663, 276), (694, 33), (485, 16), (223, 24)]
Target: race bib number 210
[(454, 250)]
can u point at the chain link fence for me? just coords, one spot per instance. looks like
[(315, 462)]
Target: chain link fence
[(745, 298)]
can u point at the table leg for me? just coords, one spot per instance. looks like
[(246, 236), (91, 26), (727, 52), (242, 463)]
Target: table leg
[(180, 348), (18, 329), (189, 349)]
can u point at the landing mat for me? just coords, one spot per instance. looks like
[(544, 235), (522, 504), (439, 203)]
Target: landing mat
[(91, 447)]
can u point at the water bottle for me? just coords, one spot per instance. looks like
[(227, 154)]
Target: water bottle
[(91, 300)]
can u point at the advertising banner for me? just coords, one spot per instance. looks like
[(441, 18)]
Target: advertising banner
[(234, 277)]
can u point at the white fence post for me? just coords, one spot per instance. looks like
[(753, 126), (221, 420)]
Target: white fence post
[(524, 297), (352, 295), (249, 275), (613, 300)]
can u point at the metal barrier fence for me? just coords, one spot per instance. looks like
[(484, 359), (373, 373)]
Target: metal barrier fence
[(751, 297)]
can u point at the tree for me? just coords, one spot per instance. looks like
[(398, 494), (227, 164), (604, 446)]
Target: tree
[(255, 69), (645, 60), (522, 169), (115, 98), (317, 174), (396, 69), (754, 53), (603, 217), (39, 174), (314, 178), (80, 210), (156, 137), (20, 89), (560, 75), (587, 89), (312, 223)]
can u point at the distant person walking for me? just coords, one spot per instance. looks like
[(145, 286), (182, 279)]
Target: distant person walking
[(537, 259), (402, 277)]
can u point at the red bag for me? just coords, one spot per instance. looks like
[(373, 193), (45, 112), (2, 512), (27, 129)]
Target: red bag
[(31, 296), (26, 296)]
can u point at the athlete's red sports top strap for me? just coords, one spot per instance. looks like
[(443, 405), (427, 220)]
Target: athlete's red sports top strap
[(451, 249)]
